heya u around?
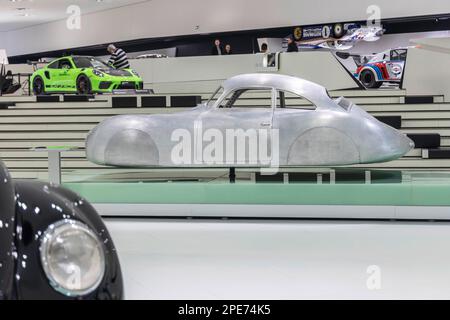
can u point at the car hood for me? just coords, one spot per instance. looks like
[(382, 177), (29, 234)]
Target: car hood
[(117, 73)]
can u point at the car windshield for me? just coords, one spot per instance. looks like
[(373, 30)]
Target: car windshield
[(89, 62), (215, 96)]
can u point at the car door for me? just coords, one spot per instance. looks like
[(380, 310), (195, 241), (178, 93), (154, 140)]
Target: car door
[(51, 77), (293, 116), (242, 120), (65, 75)]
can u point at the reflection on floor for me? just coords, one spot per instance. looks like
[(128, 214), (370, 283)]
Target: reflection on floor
[(282, 260)]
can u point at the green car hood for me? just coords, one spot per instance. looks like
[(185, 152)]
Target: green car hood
[(116, 72)]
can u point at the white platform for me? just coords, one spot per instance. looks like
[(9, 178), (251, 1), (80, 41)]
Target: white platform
[(281, 260)]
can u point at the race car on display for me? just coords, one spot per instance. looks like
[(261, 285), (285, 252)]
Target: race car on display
[(83, 75), (386, 66)]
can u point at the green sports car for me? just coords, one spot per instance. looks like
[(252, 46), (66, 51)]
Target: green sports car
[(82, 75)]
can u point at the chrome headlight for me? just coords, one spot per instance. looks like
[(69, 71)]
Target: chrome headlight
[(135, 73), (98, 73), (73, 258)]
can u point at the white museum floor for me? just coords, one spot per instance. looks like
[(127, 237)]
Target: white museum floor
[(185, 259)]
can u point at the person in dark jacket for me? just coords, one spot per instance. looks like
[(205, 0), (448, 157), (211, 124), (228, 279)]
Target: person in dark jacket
[(217, 49), (292, 46)]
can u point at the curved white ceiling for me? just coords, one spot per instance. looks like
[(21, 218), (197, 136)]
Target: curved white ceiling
[(18, 14)]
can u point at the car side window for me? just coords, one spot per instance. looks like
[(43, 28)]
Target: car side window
[(248, 98), (398, 55), (216, 95), (65, 64), (289, 100), (53, 65)]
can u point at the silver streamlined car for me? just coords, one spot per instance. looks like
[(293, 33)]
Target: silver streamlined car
[(335, 132)]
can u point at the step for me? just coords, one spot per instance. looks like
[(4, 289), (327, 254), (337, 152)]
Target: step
[(416, 115), (419, 99), (45, 127), (13, 98), (393, 121), (430, 124), (390, 108), (32, 155), (26, 145), (42, 164), (32, 136), (52, 119), (441, 153), (62, 105), (426, 140), (87, 111)]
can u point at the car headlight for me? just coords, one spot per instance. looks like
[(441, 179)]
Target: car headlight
[(135, 73), (72, 257), (98, 73)]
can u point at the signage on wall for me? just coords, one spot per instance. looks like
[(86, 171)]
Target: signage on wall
[(327, 31), (338, 36)]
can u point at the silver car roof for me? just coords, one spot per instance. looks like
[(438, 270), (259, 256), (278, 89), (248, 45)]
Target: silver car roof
[(311, 91)]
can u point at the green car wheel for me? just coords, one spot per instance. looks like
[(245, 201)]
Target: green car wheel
[(38, 86), (83, 85)]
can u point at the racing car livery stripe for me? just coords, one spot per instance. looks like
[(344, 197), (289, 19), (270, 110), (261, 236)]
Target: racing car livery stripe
[(382, 67), (377, 70)]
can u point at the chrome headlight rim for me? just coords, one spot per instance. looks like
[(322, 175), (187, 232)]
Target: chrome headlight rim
[(50, 233)]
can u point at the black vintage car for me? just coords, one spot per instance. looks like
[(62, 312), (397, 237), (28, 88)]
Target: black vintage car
[(53, 245)]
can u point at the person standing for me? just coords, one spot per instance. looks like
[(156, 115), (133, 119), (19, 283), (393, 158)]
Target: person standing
[(292, 46), (119, 59), (217, 49)]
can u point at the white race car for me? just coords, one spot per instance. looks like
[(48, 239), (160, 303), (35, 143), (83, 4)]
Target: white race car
[(386, 66)]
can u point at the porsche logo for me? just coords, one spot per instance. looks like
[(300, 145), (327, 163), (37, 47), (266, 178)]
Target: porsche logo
[(298, 33)]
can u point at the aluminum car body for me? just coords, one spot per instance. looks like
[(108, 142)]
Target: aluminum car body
[(336, 133)]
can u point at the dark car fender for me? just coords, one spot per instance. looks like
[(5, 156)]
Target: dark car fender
[(7, 223), (39, 205)]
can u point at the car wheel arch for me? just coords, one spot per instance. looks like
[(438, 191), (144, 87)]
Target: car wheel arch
[(131, 145), (35, 79), (369, 69), (304, 147), (84, 75)]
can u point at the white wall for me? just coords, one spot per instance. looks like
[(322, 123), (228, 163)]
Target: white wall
[(427, 69), (204, 74), (158, 18)]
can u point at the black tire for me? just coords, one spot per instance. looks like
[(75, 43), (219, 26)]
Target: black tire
[(338, 30), (84, 85), (369, 80), (38, 86)]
